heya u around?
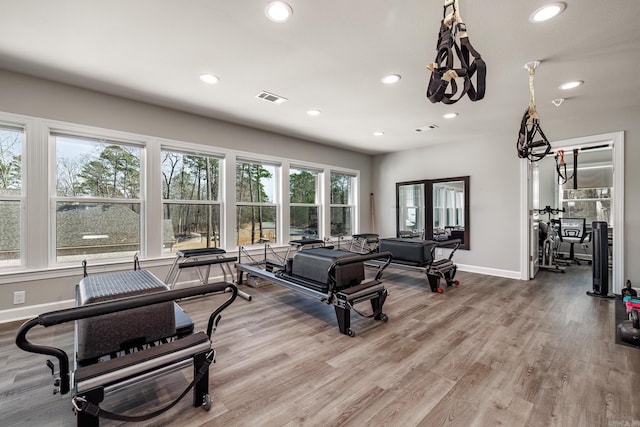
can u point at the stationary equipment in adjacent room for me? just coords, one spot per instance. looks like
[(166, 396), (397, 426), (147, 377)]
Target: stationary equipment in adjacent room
[(600, 239)]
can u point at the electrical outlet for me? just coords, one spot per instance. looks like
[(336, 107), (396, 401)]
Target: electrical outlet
[(19, 297)]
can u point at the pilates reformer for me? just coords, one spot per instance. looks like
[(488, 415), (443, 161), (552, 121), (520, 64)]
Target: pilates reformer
[(128, 329), (334, 277), (202, 259), (420, 256)]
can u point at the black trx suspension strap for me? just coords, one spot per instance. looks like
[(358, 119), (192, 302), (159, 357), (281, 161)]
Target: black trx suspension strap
[(530, 129), (443, 72), (561, 168)]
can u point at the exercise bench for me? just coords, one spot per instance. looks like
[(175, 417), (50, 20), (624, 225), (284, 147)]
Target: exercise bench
[(202, 259)]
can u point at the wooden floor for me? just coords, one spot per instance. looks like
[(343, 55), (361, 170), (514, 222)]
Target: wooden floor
[(491, 351)]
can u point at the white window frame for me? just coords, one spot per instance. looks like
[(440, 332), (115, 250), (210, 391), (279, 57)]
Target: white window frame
[(354, 198), (21, 127), (277, 198), (219, 202), (318, 195), (39, 198), (103, 136)]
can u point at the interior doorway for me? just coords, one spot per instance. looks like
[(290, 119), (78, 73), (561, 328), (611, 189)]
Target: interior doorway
[(596, 195)]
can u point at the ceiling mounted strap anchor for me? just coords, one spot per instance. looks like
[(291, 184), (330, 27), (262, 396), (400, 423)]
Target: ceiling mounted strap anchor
[(527, 145), (455, 58)]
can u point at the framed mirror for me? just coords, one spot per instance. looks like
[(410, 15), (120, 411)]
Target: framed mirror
[(410, 199), (434, 209)]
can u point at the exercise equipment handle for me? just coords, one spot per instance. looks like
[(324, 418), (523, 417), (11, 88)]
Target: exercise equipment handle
[(63, 358), (215, 316)]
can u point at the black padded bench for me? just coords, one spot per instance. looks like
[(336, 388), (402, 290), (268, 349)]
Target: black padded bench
[(419, 255)]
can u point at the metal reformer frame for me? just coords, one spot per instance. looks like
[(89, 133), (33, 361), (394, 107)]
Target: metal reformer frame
[(90, 383), (202, 259), (343, 300)]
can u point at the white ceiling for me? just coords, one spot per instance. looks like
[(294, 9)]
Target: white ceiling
[(331, 56)]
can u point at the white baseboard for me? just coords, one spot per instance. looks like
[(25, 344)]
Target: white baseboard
[(29, 311), (489, 271)]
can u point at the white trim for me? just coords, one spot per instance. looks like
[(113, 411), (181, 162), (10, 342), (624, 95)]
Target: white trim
[(524, 220), (617, 139), (29, 311), (509, 274)]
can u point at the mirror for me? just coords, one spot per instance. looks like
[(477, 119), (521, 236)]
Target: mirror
[(411, 209), (436, 209)]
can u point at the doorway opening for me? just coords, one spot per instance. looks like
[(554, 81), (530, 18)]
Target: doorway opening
[(596, 193)]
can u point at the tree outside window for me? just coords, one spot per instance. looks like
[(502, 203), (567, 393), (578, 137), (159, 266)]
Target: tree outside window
[(342, 204), (191, 201), (256, 211), (10, 194), (304, 208), (98, 199)]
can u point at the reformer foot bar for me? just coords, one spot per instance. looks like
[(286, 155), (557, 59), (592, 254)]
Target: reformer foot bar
[(419, 255), (91, 382), (202, 259), (340, 284)]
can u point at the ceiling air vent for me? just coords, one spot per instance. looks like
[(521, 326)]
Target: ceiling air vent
[(427, 127), (271, 97)]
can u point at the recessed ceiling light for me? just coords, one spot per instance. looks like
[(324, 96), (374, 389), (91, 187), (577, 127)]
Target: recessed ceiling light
[(450, 115), (209, 78), (378, 133), (278, 11), (314, 112), (571, 85), (547, 12), (391, 79)]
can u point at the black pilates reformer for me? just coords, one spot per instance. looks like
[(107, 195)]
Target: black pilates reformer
[(414, 255), (128, 329), (334, 277)]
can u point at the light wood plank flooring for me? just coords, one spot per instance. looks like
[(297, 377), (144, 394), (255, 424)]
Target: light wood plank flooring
[(492, 351)]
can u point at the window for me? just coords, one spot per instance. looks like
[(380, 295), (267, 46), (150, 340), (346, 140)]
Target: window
[(448, 205), (342, 204), (98, 198), (11, 140), (304, 208), (592, 199), (411, 208), (190, 201), (256, 210)]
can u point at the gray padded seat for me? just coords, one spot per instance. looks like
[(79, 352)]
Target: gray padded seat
[(102, 335)]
